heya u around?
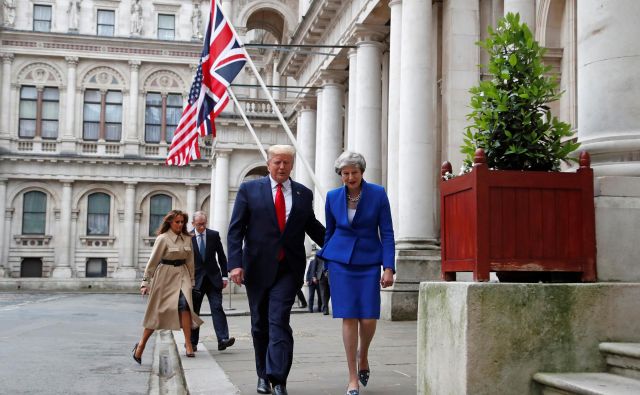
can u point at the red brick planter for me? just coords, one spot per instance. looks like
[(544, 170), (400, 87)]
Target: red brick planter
[(518, 221)]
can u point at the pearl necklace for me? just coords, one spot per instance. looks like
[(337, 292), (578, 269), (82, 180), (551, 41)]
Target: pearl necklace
[(354, 199)]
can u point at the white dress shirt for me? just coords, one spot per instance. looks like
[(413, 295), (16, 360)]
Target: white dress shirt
[(286, 191)]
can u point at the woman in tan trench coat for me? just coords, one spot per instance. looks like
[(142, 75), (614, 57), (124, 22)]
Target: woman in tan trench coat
[(171, 269)]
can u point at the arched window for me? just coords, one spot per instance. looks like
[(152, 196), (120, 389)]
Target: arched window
[(98, 213), (34, 212), (256, 173), (160, 205), (39, 112), (161, 116), (102, 115)]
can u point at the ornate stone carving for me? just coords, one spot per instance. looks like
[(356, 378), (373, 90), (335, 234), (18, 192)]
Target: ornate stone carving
[(9, 8), (136, 18), (73, 11), (164, 81), (196, 21), (72, 61), (39, 74)]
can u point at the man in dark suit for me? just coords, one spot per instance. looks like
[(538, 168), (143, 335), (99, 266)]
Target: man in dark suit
[(271, 216), (211, 279), (312, 283), (323, 284)]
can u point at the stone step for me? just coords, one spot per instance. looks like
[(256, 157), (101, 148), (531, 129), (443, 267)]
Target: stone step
[(622, 358), (587, 384)]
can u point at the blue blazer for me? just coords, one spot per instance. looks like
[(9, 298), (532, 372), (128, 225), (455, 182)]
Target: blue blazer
[(369, 238), (254, 238)]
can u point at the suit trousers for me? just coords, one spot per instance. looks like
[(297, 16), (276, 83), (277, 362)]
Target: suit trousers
[(325, 292), (219, 318), (313, 290), (270, 316)]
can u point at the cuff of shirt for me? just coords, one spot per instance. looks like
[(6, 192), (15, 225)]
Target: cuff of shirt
[(225, 278)]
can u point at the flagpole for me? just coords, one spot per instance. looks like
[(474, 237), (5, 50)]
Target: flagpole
[(246, 121), (278, 113)]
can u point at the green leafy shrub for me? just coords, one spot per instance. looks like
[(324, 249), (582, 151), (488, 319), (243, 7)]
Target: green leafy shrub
[(511, 117)]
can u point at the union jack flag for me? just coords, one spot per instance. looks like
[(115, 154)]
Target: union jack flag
[(221, 61)]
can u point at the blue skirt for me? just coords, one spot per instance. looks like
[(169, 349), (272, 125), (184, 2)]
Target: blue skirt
[(355, 290)]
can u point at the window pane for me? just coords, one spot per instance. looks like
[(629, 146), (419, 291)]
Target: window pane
[(28, 109), (113, 113), (170, 131), (96, 267), (114, 97), (112, 132), (27, 128), (166, 21), (152, 134), (97, 224), (106, 17), (31, 267), (50, 110), (160, 205), (91, 131), (51, 94), (34, 207), (174, 100), (28, 92), (173, 116), (99, 206), (166, 34), (92, 112), (154, 99), (99, 203), (152, 115), (42, 12), (105, 30), (49, 129), (40, 26), (92, 95)]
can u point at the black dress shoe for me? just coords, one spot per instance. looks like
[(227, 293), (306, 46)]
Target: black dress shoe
[(137, 359), (280, 389), (264, 387), (224, 344)]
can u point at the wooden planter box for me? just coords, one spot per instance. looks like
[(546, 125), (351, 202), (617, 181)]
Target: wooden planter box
[(503, 221)]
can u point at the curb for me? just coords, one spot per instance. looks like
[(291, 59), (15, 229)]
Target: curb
[(166, 371)]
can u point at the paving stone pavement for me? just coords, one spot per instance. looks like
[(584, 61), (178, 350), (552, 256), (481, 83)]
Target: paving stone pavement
[(319, 364)]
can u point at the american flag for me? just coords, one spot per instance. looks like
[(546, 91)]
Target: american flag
[(221, 61)]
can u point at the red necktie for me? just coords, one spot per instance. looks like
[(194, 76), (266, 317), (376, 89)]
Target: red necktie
[(281, 215)]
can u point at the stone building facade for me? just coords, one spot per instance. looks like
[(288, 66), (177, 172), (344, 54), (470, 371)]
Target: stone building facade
[(389, 79)]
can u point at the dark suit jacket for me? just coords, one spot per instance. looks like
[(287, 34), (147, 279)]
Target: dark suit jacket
[(213, 269), (368, 239), (254, 222)]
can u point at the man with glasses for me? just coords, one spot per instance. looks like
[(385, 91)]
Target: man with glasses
[(211, 279)]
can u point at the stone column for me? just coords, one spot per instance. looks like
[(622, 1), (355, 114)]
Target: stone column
[(331, 132), (353, 93), (5, 99), (126, 269), (526, 8), (609, 128), (417, 238), (191, 201), (68, 144), (212, 194), (221, 198), (368, 139), (306, 141), (276, 81), (132, 139), (3, 202), (6, 237), (460, 59), (393, 132), (318, 206), (227, 10), (63, 235)]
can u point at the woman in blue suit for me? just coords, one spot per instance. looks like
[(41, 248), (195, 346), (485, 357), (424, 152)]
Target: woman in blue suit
[(358, 241)]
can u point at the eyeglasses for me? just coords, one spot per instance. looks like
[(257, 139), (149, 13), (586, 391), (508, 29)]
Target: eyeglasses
[(199, 224)]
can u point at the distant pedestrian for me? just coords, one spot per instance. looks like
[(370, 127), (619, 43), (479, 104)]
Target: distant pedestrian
[(312, 284), (323, 284), (358, 241), (168, 279), (211, 279)]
